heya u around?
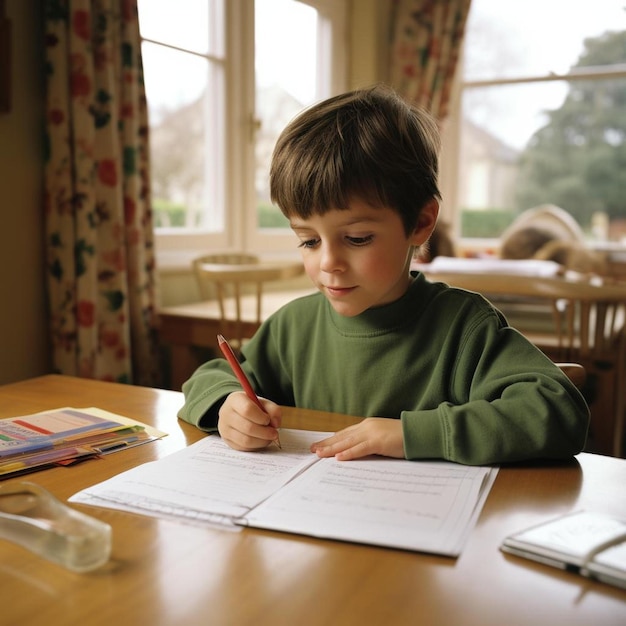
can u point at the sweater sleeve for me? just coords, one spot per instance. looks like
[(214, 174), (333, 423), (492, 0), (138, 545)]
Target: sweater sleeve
[(205, 392), (507, 402), (207, 388)]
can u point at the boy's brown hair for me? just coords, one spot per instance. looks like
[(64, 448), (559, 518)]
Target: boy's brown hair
[(367, 143)]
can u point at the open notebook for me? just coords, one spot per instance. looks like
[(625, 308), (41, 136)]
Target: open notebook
[(422, 506)]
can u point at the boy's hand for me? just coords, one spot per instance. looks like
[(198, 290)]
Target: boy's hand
[(244, 426), (374, 435)]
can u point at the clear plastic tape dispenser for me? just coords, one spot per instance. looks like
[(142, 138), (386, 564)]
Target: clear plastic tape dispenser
[(33, 518)]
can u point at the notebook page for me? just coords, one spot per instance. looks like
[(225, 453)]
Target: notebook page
[(415, 505), (207, 481)]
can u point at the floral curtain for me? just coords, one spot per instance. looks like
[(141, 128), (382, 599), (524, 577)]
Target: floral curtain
[(99, 234), (425, 40)]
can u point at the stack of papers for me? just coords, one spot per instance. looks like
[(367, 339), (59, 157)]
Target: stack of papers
[(64, 436), (515, 267)]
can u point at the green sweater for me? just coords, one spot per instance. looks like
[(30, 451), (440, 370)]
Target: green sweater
[(467, 387)]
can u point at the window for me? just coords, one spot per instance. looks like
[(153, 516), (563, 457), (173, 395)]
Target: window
[(184, 67), (223, 77), (540, 116)]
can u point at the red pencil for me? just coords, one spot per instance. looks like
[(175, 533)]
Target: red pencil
[(239, 373)]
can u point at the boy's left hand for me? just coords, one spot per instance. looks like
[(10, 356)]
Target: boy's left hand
[(374, 435)]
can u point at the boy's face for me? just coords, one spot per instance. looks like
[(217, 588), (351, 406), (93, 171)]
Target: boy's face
[(359, 258)]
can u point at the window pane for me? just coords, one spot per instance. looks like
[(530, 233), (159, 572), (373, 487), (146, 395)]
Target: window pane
[(535, 37), (183, 23), (498, 123), (174, 80), (545, 141), (176, 121), (286, 81), (185, 105)]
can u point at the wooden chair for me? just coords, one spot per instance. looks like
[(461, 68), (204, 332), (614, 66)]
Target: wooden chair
[(237, 284), (575, 372), (586, 324), (549, 218), (205, 287)]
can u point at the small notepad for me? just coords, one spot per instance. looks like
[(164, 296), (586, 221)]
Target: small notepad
[(583, 542)]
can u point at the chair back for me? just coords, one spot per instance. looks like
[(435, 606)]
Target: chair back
[(575, 372), (205, 287), (588, 317), (238, 288)]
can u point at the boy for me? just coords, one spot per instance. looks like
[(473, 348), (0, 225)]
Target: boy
[(435, 370)]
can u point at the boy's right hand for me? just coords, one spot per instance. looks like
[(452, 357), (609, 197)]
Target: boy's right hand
[(243, 426)]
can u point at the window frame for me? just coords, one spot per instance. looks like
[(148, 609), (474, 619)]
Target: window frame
[(175, 248), (450, 166)]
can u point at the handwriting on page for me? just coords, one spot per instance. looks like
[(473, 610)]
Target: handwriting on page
[(380, 487), (418, 503), (243, 478), (207, 480)]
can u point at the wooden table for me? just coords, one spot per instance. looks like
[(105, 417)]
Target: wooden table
[(167, 573), (188, 326)]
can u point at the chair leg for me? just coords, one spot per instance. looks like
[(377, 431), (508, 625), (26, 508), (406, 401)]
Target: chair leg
[(605, 419)]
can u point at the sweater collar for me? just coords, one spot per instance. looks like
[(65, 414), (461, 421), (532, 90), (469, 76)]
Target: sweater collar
[(388, 317)]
